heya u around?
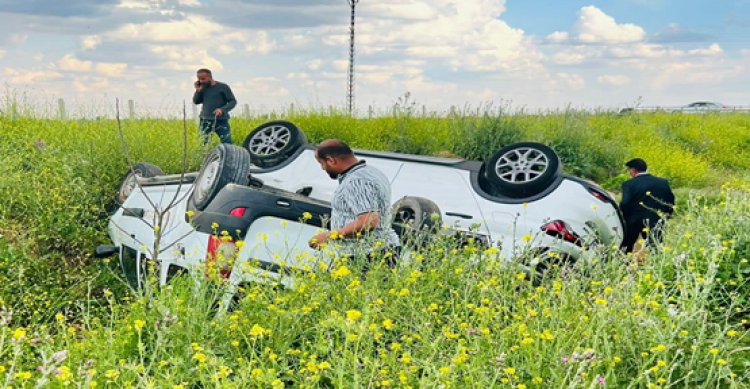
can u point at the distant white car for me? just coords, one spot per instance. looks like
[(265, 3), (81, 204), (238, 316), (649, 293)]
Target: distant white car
[(272, 196), (702, 107)]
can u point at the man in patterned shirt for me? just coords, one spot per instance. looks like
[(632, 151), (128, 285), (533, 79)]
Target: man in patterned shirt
[(361, 204)]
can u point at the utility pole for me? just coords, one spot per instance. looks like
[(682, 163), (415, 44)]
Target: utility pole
[(350, 91)]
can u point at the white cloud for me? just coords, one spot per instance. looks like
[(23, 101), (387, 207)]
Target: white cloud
[(642, 50), (568, 58), (706, 73), (88, 84), (111, 69), (298, 76), (655, 51), (23, 76), (594, 26), (70, 63), (90, 42), (468, 35), (613, 80), (713, 50), (261, 44), (558, 36), (407, 10), (315, 64), (225, 49), (263, 86), (570, 81), (193, 28), (181, 58), (2, 53)]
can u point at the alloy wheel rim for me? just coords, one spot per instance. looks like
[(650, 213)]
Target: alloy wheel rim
[(270, 140), (521, 165)]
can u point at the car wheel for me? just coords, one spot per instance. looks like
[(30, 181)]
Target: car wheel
[(547, 262), (224, 165), (523, 169), (129, 183), (272, 143), (414, 214)]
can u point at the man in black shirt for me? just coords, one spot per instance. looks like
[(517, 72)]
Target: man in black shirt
[(647, 201), (217, 99)]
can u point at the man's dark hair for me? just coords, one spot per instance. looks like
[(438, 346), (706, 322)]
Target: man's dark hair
[(204, 70), (637, 164), (334, 148)]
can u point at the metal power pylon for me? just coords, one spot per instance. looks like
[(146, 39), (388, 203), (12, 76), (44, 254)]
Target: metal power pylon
[(350, 86)]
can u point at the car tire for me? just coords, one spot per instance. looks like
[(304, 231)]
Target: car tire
[(523, 169), (270, 144), (550, 262), (415, 214), (226, 164), (128, 182)]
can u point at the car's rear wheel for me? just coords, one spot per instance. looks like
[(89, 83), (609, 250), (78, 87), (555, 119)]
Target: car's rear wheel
[(523, 169), (272, 143), (548, 262), (415, 217), (129, 181), (224, 165)]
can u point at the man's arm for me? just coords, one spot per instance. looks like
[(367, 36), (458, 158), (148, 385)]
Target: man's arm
[(364, 222), (627, 198), (231, 101), (198, 96)]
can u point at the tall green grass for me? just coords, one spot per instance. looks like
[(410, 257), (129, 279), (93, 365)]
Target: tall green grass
[(453, 317)]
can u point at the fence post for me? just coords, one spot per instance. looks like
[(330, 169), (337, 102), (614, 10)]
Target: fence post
[(246, 111), (131, 109), (61, 109)]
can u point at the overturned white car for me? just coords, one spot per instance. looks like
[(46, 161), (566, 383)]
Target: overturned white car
[(261, 203)]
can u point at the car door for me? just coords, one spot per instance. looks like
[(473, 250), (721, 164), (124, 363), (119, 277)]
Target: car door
[(279, 240), (447, 186)]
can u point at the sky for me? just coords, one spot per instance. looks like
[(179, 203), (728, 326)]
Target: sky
[(530, 54)]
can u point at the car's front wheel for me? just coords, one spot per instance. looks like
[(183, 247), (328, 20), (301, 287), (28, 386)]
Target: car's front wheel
[(129, 181), (414, 218), (224, 165), (523, 169), (270, 144)]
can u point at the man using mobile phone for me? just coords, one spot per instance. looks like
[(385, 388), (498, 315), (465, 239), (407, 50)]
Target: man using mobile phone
[(217, 99)]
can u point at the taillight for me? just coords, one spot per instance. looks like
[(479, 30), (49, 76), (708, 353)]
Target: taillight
[(562, 230), (238, 212), (599, 195), (224, 249)]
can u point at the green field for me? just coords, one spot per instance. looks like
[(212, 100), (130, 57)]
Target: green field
[(680, 319)]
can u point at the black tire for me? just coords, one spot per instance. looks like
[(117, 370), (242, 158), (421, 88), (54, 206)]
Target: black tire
[(523, 169), (226, 164), (128, 181), (550, 262), (413, 214), (272, 143)]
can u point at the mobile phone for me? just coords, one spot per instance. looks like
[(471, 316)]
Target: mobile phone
[(197, 83)]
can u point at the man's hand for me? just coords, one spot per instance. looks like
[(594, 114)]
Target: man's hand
[(197, 85), (319, 240), (218, 112)]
